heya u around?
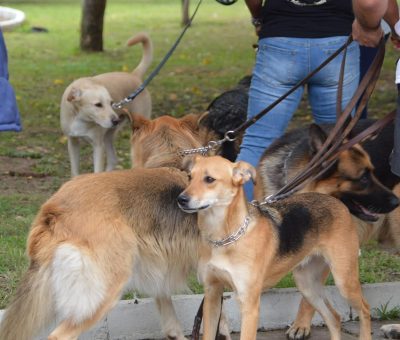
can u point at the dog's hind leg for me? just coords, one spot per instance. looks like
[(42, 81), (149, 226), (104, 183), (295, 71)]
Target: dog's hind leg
[(347, 281), (111, 154), (308, 280), (169, 321), (300, 329), (73, 150)]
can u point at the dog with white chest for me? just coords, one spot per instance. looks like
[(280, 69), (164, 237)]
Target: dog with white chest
[(250, 248), (86, 110)]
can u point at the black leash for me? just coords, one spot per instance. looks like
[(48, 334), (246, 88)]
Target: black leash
[(231, 135), (198, 319), (132, 96)]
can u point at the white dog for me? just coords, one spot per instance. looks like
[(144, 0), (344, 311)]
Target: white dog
[(86, 108)]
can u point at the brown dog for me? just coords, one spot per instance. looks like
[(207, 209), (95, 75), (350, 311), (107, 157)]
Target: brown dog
[(251, 248), (351, 179), (97, 235), (117, 225)]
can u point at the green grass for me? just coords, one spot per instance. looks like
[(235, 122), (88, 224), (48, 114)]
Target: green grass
[(214, 54)]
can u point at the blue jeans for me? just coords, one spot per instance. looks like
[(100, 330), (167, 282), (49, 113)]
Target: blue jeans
[(280, 64)]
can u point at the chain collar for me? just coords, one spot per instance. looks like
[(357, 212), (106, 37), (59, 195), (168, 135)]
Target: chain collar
[(233, 237)]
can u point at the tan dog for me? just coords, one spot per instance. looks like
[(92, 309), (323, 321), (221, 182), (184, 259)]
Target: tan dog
[(118, 225), (86, 111), (97, 235), (249, 248)]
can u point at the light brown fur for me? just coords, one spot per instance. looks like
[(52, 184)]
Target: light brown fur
[(113, 223), (117, 219), (263, 255)]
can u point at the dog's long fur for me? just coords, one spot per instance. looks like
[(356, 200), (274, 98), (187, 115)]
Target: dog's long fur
[(86, 111), (356, 179), (95, 219), (98, 234), (307, 233)]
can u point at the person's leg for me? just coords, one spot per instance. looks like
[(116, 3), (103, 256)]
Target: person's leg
[(367, 55), (279, 66), (323, 86)]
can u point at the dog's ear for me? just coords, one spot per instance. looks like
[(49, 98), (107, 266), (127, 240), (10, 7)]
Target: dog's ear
[(138, 122), (202, 117), (188, 162), (74, 94), (317, 138), (191, 121), (243, 172)]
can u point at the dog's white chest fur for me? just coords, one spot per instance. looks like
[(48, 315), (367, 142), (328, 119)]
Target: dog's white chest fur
[(233, 274)]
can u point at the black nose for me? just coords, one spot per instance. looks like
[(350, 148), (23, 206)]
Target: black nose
[(183, 200), (115, 121)]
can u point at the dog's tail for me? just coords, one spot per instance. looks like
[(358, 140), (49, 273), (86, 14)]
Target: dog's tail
[(147, 56), (31, 309)]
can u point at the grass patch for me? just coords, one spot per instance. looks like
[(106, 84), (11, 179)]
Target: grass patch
[(214, 54)]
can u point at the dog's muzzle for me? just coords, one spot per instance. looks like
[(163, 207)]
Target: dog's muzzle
[(184, 204)]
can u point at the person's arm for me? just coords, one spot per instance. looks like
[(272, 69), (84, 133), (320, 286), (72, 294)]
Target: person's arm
[(254, 7), (392, 18), (367, 24)]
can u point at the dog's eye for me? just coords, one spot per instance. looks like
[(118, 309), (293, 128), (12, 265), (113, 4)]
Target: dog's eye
[(209, 179), (98, 105)]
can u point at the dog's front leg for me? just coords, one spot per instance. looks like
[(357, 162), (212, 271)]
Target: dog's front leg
[(112, 159), (98, 156), (250, 309), (212, 309), (73, 150)]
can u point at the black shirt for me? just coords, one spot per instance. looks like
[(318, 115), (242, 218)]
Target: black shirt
[(306, 18)]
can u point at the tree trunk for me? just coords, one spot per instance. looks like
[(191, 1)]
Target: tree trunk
[(185, 12), (92, 25)]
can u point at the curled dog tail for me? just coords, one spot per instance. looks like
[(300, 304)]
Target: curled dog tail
[(147, 56), (31, 310)]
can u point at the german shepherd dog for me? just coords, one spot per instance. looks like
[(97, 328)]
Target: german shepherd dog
[(102, 233), (250, 248), (360, 178)]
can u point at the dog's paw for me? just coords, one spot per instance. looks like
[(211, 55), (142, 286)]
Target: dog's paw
[(298, 333), (391, 331)]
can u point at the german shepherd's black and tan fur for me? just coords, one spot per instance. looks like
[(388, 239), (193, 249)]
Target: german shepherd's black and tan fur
[(360, 178), (250, 249)]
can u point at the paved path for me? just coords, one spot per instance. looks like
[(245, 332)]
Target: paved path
[(349, 332)]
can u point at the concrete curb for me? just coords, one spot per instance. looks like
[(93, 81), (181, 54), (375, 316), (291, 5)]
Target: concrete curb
[(138, 319)]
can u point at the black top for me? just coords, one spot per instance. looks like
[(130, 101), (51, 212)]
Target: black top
[(306, 18)]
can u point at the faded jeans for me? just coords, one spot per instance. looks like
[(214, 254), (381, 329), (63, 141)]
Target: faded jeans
[(280, 64)]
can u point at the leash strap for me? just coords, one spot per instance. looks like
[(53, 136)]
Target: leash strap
[(246, 124), (198, 319), (132, 96), (340, 131)]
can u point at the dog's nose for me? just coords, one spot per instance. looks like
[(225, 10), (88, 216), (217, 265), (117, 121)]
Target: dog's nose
[(115, 121), (183, 200)]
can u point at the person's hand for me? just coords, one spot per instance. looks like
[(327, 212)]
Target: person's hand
[(369, 37), (395, 39)]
